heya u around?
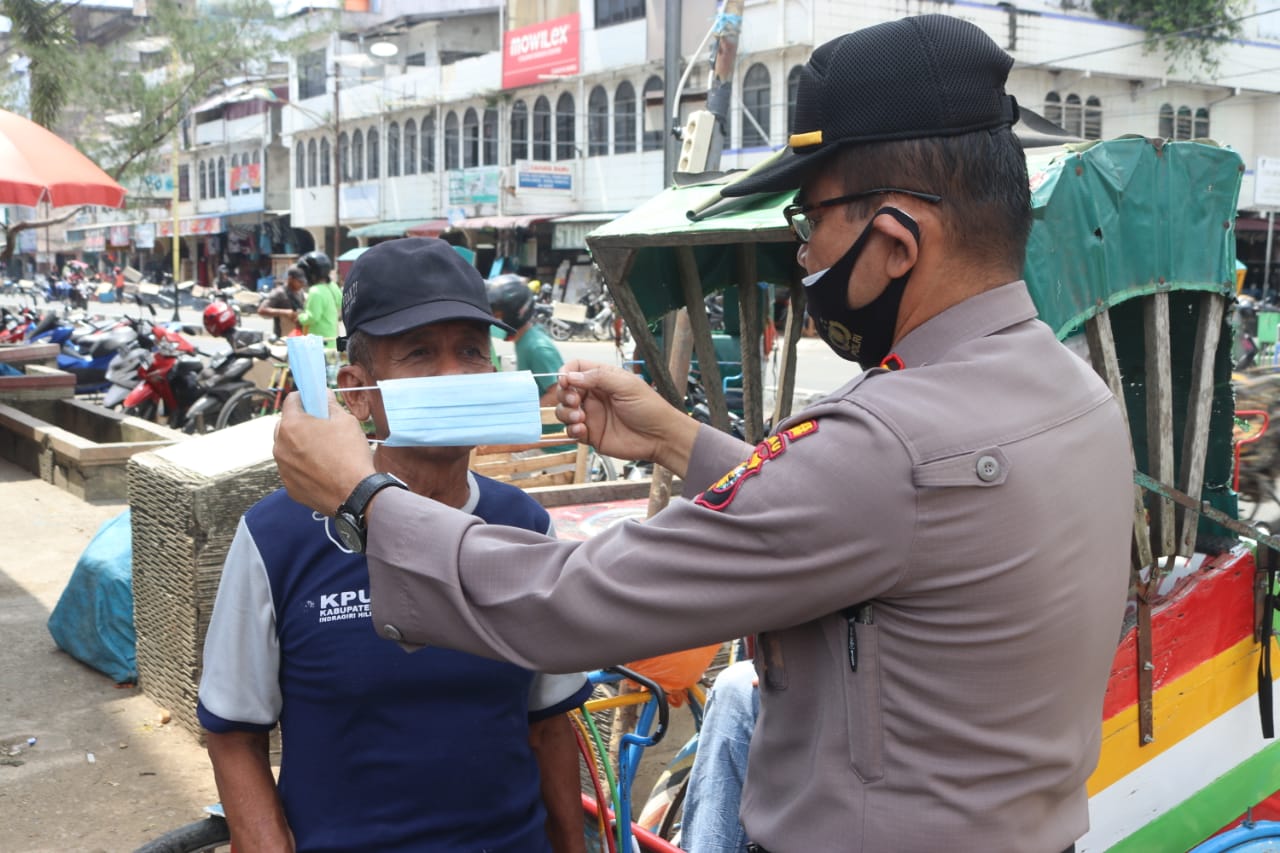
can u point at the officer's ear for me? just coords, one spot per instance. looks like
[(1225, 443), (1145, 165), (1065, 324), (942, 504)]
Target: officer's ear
[(903, 249)]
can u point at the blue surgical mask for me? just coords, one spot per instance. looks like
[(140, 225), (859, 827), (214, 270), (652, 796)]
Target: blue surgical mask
[(461, 410), (310, 375)]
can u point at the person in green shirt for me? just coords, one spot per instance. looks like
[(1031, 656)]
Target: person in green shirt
[(323, 308), (511, 301)]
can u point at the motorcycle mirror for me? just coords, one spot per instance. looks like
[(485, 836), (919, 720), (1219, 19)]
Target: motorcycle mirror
[(151, 308)]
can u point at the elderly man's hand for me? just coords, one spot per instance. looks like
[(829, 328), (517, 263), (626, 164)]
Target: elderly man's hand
[(321, 460)]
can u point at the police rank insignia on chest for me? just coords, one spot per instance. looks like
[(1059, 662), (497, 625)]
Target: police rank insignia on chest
[(723, 491)]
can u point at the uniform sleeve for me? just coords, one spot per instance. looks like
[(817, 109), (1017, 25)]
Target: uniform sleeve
[(240, 685), (807, 525), (550, 695)]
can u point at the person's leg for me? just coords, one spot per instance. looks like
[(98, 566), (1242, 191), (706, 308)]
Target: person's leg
[(711, 803)]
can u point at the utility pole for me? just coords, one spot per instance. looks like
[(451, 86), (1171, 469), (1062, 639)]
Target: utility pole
[(720, 90), (337, 162), (671, 79)]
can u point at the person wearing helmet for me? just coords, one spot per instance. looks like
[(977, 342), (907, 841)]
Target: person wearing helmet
[(324, 299), (285, 302), (512, 302)]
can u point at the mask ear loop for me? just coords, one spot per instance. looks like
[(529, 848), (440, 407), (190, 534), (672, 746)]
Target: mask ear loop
[(376, 388)]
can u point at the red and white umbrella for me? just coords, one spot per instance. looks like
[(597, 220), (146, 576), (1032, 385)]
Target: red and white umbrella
[(38, 165)]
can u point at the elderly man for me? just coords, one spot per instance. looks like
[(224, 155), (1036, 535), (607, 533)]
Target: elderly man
[(381, 749), (935, 555)]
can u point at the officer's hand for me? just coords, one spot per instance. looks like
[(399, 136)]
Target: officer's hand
[(617, 413), (321, 460)]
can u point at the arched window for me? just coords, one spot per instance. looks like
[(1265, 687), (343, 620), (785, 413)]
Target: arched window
[(410, 147), (222, 177), (793, 91), (541, 129), (326, 160), (653, 135), (597, 122), (451, 141), (374, 151), (312, 153), (299, 169), (564, 127), (519, 131), (1166, 121), (357, 155), (299, 181), (1073, 116), (427, 150), (489, 137), (344, 157), (235, 174), (393, 150), (256, 157), (470, 139), (1053, 108), (755, 106), (1092, 117), (1183, 128), (1202, 123), (624, 118)]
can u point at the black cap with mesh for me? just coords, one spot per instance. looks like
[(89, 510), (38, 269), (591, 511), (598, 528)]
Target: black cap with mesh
[(926, 76)]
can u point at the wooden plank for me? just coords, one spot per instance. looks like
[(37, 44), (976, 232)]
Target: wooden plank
[(1159, 387), (1102, 353), (1195, 435), (680, 342), (751, 333), (587, 493), (791, 338), (703, 345), (646, 345), (499, 466)]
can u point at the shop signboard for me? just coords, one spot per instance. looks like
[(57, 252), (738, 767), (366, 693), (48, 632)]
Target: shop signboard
[(537, 176), (158, 184), (27, 241), (359, 202), (469, 187), (540, 52), (144, 235), (118, 235), (199, 225), (1266, 183), (95, 240), (572, 235), (246, 178)]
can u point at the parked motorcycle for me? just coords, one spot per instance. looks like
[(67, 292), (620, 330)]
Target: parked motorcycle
[(600, 321), (87, 346)]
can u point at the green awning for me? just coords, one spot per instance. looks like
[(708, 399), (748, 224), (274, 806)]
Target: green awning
[(352, 254), (389, 228)]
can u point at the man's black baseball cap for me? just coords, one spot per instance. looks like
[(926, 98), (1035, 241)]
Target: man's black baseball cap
[(913, 78), (402, 284)]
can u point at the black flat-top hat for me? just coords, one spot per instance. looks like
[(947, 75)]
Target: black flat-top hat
[(913, 78)]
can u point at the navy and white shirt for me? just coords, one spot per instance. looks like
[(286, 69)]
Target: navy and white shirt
[(381, 749)]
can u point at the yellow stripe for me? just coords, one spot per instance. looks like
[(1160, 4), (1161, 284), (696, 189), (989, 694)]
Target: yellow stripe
[(801, 140), (1179, 710)]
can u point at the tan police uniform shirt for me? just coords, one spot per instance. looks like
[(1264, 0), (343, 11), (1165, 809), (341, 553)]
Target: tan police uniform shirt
[(980, 499)]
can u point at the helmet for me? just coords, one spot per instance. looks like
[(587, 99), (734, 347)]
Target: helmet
[(222, 269), (316, 265), (509, 295), (219, 319)]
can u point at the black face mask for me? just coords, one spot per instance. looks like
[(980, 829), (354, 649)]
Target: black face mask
[(864, 335)]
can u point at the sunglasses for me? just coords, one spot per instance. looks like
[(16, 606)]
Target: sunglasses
[(802, 226)]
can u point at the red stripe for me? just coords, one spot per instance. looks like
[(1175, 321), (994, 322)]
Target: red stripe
[(1210, 613)]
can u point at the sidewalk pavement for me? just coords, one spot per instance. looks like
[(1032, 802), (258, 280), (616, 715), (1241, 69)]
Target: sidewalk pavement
[(144, 777)]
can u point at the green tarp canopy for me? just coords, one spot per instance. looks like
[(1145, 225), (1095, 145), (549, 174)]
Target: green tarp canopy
[(389, 228)]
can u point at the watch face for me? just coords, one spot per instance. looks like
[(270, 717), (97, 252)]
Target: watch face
[(348, 530)]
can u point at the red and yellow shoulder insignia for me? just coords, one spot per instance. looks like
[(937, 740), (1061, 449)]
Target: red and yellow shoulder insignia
[(723, 491)]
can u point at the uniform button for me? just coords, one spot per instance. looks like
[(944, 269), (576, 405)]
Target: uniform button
[(391, 632), (988, 468)]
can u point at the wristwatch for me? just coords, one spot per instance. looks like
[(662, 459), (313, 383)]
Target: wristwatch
[(350, 521)]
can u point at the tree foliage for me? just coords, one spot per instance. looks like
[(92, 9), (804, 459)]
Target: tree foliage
[(1189, 31), (41, 29)]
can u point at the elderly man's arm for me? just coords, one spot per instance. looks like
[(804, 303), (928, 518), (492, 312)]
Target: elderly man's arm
[(242, 770), (556, 751)]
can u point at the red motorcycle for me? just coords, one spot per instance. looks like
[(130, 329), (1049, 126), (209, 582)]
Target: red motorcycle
[(168, 365)]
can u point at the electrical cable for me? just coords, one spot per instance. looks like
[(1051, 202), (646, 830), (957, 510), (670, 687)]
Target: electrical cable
[(580, 735)]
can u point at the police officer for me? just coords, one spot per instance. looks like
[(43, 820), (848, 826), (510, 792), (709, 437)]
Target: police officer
[(935, 555)]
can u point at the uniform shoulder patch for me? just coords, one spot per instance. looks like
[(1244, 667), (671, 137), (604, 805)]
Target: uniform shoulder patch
[(723, 491)]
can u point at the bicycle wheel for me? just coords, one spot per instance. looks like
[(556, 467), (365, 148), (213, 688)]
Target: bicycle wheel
[(600, 468), (245, 405), (209, 834)]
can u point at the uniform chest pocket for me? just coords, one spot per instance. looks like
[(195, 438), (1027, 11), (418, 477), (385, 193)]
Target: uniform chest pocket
[(986, 467), (863, 714)]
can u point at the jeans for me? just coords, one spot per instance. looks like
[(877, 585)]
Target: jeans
[(711, 804)]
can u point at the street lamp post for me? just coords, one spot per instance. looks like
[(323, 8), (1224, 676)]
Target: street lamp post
[(175, 244)]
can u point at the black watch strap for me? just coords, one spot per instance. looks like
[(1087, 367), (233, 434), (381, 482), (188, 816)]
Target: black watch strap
[(364, 491)]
